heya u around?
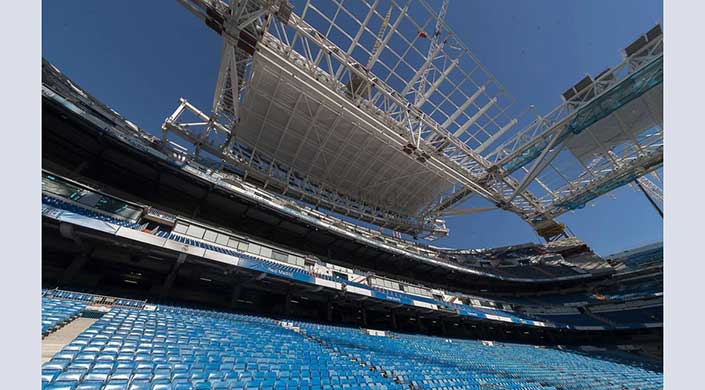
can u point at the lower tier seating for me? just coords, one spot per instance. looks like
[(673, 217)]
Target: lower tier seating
[(172, 348), (424, 362), (56, 312)]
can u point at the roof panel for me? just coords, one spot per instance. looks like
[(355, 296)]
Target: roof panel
[(286, 118)]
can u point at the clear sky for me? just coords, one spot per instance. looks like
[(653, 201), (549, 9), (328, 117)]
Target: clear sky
[(140, 57)]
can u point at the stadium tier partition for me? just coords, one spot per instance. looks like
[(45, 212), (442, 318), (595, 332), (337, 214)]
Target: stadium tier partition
[(166, 347), (619, 291), (76, 213)]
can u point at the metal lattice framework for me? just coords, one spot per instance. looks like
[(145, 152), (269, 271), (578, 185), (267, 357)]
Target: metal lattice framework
[(606, 133), (375, 110)]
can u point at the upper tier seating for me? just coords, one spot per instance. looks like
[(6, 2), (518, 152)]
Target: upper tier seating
[(557, 299), (634, 290), (56, 312), (537, 271), (576, 319), (172, 348), (640, 258), (60, 204), (636, 316), (617, 291)]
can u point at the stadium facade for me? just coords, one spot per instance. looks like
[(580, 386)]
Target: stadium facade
[(211, 257)]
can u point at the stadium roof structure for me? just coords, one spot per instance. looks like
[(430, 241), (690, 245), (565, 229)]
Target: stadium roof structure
[(77, 127), (376, 110)]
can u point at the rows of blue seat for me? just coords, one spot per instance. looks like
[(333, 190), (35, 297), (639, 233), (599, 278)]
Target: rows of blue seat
[(558, 368), (503, 313), (559, 299), (424, 362), (538, 271), (174, 348), (129, 302), (636, 316), (57, 311), (644, 258), (60, 204), (79, 296), (630, 318), (177, 348), (576, 319), (634, 290), (618, 292), (412, 366), (72, 295)]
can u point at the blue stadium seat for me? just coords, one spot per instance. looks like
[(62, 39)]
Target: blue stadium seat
[(61, 204), (177, 349), (56, 312)]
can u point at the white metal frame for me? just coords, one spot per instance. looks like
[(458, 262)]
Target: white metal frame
[(440, 106)]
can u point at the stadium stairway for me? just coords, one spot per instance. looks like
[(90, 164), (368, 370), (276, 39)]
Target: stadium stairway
[(57, 340)]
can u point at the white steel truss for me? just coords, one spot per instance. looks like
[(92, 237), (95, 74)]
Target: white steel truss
[(389, 81), (651, 188), (607, 133), (653, 193)]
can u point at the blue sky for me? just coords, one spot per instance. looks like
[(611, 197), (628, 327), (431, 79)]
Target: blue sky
[(140, 57)]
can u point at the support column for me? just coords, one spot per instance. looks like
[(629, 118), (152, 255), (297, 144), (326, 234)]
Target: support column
[(169, 281), (649, 198), (76, 265), (197, 211), (237, 292), (419, 324), (364, 316), (287, 304), (394, 320)]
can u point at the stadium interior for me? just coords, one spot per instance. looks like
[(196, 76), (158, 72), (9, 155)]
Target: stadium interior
[(164, 267)]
